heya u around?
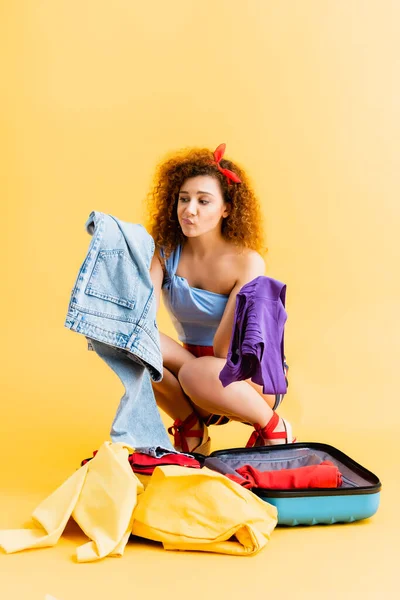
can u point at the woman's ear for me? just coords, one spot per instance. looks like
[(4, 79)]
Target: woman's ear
[(227, 210)]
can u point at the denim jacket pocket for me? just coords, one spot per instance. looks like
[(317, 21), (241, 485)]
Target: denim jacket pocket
[(114, 278)]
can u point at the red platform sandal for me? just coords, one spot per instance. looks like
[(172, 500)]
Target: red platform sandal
[(268, 436), (181, 430)]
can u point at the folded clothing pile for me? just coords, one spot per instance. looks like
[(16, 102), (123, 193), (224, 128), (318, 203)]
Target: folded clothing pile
[(323, 475), (145, 464)]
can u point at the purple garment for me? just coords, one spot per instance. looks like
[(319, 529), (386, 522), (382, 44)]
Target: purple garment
[(256, 349)]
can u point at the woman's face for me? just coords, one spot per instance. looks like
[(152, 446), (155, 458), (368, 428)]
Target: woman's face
[(201, 206)]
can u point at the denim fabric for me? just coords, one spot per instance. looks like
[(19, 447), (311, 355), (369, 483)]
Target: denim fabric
[(114, 305), (113, 299), (137, 422)]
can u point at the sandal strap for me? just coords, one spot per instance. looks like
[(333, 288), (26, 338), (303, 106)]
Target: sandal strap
[(183, 429), (255, 437), (264, 433)]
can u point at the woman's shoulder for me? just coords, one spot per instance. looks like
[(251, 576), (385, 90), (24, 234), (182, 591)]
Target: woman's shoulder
[(243, 264), (244, 257)]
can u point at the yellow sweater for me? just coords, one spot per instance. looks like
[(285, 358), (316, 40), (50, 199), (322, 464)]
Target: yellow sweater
[(185, 509), (199, 509)]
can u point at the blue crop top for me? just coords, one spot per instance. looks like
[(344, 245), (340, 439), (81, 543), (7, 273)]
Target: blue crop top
[(195, 313)]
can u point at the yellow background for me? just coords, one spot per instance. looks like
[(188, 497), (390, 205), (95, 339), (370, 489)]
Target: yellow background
[(305, 93)]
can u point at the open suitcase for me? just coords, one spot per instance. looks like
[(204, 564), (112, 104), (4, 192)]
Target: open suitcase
[(357, 498)]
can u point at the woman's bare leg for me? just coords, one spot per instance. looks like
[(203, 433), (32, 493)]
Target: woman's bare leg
[(268, 398), (171, 398), (173, 354), (200, 381), (168, 392), (192, 384)]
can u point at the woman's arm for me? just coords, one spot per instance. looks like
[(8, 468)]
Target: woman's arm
[(174, 356), (252, 266), (157, 276)]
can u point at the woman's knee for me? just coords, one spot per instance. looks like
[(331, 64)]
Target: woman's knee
[(200, 380), (185, 374), (189, 375), (200, 376)]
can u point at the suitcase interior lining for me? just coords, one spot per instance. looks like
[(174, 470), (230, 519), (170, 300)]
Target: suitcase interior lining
[(294, 458)]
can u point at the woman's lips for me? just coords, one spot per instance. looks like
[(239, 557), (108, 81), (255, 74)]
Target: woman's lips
[(187, 222)]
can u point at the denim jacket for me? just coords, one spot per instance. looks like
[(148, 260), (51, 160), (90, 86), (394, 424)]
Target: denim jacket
[(113, 299), (113, 305)]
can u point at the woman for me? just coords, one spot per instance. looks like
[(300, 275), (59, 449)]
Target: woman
[(205, 221)]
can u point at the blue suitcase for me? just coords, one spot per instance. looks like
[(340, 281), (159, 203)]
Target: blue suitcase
[(357, 498)]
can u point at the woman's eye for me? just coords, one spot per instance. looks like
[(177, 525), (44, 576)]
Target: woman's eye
[(181, 199), (204, 201)]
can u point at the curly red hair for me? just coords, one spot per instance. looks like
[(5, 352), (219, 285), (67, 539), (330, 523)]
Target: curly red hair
[(243, 225)]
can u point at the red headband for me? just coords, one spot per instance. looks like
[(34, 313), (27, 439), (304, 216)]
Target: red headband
[(230, 175)]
